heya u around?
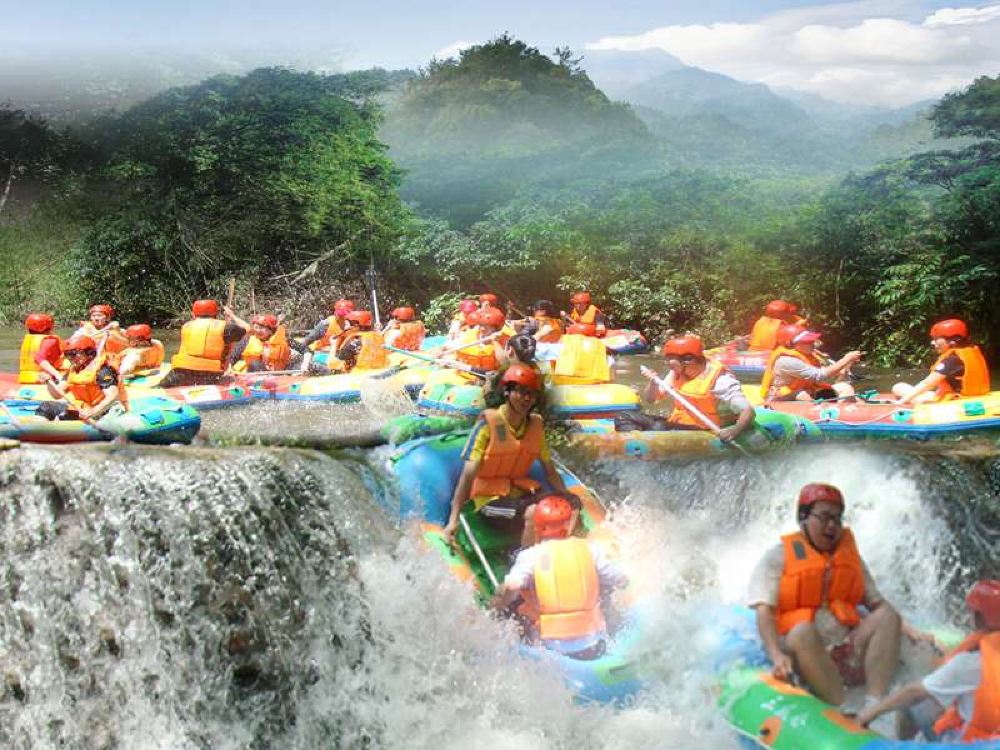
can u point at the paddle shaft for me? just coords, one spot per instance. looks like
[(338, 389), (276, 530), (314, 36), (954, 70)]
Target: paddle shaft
[(437, 361), (457, 347), (479, 551)]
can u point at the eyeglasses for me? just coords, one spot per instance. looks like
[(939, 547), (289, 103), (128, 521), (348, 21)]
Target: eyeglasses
[(825, 518), (74, 352), (525, 390)]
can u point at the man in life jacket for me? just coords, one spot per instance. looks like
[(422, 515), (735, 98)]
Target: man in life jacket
[(777, 313), (205, 345), (543, 324), (105, 331), (583, 358), (960, 700), (461, 321), (585, 312), (266, 349), (796, 371), (41, 350), (564, 582), (483, 344), (144, 353), (362, 347), (327, 333), (89, 389), (808, 592), (960, 369), (498, 456), (705, 383), (404, 331)]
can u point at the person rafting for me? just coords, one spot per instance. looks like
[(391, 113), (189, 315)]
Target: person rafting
[(205, 345), (796, 371), (960, 700), (404, 331), (498, 456), (89, 388), (583, 358), (959, 371), (565, 583), (460, 321), (265, 349), (543, 324), (483, 344), (362, 347), (144, 353), (41, 350), (705, 384), (584, 311), (327, 334), (105, 331), (777, 313), (808, 592)]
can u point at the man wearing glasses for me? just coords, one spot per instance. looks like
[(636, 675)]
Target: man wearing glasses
[(819, 613)]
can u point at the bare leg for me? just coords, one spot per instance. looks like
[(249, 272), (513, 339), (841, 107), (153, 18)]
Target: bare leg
[(813, 662), (877, 641)]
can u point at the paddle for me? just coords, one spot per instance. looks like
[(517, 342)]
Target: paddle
[(69, 402), (437, 361), (691, 409), (479, 551), (10, 415), (457, 347)]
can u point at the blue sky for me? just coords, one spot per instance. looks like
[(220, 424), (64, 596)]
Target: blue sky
[(839, 48)]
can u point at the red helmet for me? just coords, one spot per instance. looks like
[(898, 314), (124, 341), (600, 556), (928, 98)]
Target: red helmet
[(583, 329), (139, 331), (79, 342), (580, 298), (404, 313), (467, 306), (815, 492), (268, 321), (205, 308), (521, 374), (342, 306), (107, 310), (953, 328), (776, 308), (488, 297), (684, 345), (985, 600), (491, 316), (788, 332), (472, 318), (361, 317), (552, 517), (39, 323)]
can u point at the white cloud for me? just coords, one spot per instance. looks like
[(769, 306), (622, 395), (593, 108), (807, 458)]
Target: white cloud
[(873, 51), (452, 49)]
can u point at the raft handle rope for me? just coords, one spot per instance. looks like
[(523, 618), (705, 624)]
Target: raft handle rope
[(479, 551)]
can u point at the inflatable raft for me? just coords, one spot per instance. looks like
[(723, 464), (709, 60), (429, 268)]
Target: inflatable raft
[(426, 471), (747, 362), (625, 341), (151, 419)]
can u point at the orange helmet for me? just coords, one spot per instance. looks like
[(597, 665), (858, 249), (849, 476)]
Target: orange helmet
[(361, 317), (984, 599), (552, 517), (472, 318), (39, 323), (776, 308), (491, 316), (139, 331), (521, 374), (815, 492), (342, 306), (488, 297), (268, 321), (467, 306), (79, 342), (205, 308), (404, 313), (580, 298), (953, 328), (787, 333), (107, 310), (583, 329), (680, 346)]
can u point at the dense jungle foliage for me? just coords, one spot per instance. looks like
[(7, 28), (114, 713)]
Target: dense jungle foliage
[(501, 169)]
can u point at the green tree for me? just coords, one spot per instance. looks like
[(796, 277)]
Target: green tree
[(28, 146)]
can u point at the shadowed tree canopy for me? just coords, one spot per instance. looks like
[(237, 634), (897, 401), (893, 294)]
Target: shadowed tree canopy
[(28, 147)]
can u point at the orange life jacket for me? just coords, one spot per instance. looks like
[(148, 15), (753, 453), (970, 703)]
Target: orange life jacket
[(112, 344), (589, 316), (149, 357), (975, 381), (30, 370), (330, 337), (770, 393), (764, 333), (804, 587), (275, 352), (481, 356), (372, 355), (985, 721), (411, 336), (82, 384), (203, 346), (555, 334), (567, 590), (698, 391), (507, 459)]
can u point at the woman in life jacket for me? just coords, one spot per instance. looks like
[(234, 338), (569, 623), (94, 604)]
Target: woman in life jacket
[(960, 700), (105, 331), (41, 350), (266, 349), (144, 354), (959, 371), (90, 389), (796, 371)]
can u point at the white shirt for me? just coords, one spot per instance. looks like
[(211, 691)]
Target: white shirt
[(522, 573), (957, 680)]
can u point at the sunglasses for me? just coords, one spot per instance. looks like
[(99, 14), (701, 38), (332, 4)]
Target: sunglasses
[(74, 352)]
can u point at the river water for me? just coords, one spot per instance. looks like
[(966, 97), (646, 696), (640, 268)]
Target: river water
[(227, 596)]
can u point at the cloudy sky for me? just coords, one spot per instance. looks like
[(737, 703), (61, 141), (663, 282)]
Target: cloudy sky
[(889, 52)]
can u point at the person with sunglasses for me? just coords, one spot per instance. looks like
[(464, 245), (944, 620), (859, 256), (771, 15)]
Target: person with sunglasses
[(819, 613), (90, 388)]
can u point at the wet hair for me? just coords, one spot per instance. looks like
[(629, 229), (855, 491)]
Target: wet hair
[(523, 347), (546, 307)]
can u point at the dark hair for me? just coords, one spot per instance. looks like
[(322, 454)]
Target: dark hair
[(546, 307), (523, 347)]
